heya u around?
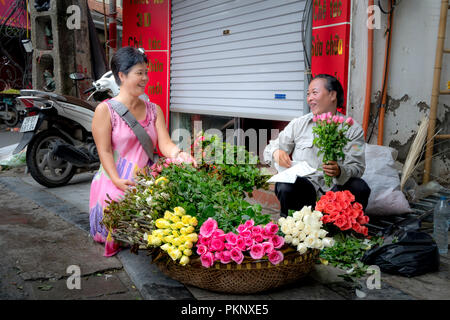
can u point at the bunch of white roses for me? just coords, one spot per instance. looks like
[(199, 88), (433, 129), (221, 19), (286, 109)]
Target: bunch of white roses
[(304, 230)]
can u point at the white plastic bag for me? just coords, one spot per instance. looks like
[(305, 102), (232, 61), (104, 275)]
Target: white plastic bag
[(386, 198), (12, 160)]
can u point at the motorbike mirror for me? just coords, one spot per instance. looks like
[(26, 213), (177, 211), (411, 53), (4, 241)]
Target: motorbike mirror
[(77, 76)]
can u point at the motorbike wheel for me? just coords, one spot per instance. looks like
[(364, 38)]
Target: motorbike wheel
[(48, 170), (15, 117)]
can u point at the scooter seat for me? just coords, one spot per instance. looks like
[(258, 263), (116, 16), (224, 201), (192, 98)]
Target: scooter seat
[(83, 103)]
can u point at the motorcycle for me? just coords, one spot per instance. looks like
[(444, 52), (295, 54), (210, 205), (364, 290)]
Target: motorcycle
[(11, 112), (58, 136)]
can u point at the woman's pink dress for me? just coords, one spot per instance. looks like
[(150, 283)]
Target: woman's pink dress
[(129, 156)]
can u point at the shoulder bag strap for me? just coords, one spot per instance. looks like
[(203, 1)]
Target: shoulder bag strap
[(138, 130)]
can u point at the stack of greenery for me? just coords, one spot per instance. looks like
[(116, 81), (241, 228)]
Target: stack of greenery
[(216, 189)]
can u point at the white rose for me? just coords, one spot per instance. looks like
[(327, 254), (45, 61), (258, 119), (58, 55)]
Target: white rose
[(149, 200), (300, 225), (295, 241), (318, 244), (306, 210), (288, 238), (309, 241), (314, 234), (281, 220), (295, 232), (328, 242), (317, 214), (302, 236), (302, 248), (315, 226), (307, 229), (285, 229), (308, 220), (322, 233), (296, 215)]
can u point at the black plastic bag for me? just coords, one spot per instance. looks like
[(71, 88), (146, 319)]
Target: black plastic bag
[(415, 253)]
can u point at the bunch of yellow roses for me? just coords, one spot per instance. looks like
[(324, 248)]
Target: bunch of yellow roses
[(175, 235)]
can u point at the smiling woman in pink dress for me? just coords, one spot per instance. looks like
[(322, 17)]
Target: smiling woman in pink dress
[(120, 152)]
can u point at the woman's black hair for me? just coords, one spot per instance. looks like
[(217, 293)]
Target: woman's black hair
[(124, 59), (333, 84)]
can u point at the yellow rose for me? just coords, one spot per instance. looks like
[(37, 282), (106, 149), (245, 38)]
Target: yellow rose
[(186, 219), (184, 260), (167, 232), (175, 233), (162, 223), (193, 221), (179, 211), (165, 247), (190, 229), (179, 225), (175, 219), (177, 242), (168, 239), (161, 180), (158, 233), (168, 215), (192, 237), (183, 230), (188, 244), (182, 248), (187, 252), (154, 241)]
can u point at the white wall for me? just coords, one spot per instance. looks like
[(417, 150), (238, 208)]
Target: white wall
[(414, 38)]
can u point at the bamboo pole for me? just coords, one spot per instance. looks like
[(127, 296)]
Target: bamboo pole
[(435, 91)]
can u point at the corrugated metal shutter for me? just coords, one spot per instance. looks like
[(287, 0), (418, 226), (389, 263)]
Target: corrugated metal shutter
[(255, 71)]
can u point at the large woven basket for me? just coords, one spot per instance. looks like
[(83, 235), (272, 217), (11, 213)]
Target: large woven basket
[(249, 277)]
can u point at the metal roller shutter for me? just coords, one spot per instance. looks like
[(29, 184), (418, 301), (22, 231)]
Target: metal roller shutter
[(237, 58)]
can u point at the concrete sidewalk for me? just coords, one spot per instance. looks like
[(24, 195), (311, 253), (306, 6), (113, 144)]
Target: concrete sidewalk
[(68, 206)]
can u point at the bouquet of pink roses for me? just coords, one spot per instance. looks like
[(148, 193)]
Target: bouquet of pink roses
[(330, 139), (216, 245)]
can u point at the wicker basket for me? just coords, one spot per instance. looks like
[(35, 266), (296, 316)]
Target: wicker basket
[(249, 277)]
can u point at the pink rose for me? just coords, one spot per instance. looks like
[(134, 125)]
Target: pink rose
[(229, 246), (154, 174), (268, 246), (201, 249), (277, 241), (225, 257), (258, 237), (246, 234), (208, 227), (328, 121), (205, 241), (349, 121), (236, 255), (275, 257), (257, 251), (341, 119), (329, 115), (335, 119), (271, 228), (314, 119), (217, 256), (257, 229), (249, 223), (207, 259), (168, 160), (231, 238), (240, 243), (217, 245), (241, 228), (248, 242)]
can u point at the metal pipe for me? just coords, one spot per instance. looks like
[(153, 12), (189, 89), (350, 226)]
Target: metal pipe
[(435, 91)]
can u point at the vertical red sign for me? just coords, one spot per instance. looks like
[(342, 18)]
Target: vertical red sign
[(330, 40), (146, 24)]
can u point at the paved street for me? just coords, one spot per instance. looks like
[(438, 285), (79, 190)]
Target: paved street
[(43, 231)]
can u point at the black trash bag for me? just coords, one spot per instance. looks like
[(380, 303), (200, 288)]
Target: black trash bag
[(415, 253)]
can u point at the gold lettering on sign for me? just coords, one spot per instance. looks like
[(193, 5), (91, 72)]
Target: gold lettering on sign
[(335, 8), (158, 1), (144, 19), (334, 46), (155, 66), (319, 9), (154, 44), (317, 47), (139, 1), (156, 89)]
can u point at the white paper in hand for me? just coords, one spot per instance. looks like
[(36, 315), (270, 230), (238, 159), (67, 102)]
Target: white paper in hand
[(289, 175)]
